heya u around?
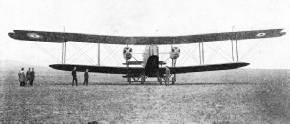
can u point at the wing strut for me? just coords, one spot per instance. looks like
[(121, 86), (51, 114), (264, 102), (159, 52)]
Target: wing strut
[(233, 51), (99, 54), (237, 49), (63, 52), (201, 53), (63, 49), (236, 39)]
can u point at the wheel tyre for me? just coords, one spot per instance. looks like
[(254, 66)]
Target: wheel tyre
[(142, 80), (129, 80), (173, 80), (159, 80)]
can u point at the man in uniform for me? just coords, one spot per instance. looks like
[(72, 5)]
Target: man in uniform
[(32, 76), (21, 75), (74, 74), (86, 75), (28, 77), (167, 72)]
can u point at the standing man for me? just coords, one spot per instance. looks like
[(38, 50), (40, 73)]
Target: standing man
[(32, 76), (21, 76), (167, 72), (86, 75), (74, 74), (28, 77)]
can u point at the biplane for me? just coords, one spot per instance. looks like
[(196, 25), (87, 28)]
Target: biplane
[(151, 66)]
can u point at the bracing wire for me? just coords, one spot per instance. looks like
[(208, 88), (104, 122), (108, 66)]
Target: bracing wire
[(215, 52), (163, 56), (46, 52), (251, 49), (110, 53), (118, 47), (212, 55), (183, 56), (77, 52), (219, 54), (88, 58), (134, 58), (191, 54), (188, 52), (83, 54)]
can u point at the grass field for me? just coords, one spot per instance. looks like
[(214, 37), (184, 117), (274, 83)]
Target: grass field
[(236, 96)]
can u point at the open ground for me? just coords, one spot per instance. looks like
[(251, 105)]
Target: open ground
[(236, 96)]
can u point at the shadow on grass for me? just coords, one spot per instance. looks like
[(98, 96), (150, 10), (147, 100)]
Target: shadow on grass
[(156, 83)]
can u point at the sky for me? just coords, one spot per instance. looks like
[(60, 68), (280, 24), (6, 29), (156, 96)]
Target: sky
[(146, 18)]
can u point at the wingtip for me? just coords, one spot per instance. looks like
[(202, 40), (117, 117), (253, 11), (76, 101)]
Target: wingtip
[(12, 35), (282, 33), (246, 64), (15, 31), (242, 64), (18, 31)]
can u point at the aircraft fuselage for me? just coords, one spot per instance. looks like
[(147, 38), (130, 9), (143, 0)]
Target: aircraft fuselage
[(151, 60)]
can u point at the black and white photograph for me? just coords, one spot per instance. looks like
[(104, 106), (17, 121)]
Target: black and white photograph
[(145, 61)]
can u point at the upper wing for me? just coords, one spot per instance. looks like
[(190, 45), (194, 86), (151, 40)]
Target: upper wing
[(142, 40), (99, 69), (201, 68)]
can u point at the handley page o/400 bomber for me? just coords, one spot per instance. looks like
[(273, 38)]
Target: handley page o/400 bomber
[(151, 66)]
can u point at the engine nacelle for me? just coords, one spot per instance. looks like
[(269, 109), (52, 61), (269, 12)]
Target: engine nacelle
[(174, 52), (127, 53)]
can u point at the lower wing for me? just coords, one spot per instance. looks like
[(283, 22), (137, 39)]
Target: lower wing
[(140, 70), (202, 68)]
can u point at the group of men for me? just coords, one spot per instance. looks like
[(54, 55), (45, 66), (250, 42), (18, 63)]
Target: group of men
[(30, 75), (75, 79), (26, 79), (86, 76)]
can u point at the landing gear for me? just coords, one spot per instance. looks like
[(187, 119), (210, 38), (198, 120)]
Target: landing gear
[(129, 80), (142, 79), (159, 79), (174, 75), (173, 62), (173, 79), (128, 72), (132, 78)]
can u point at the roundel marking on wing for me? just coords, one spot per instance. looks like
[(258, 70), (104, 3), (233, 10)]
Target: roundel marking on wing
[(34, 35), (261, 34)]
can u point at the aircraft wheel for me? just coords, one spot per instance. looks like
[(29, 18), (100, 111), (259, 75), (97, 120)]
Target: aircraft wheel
[(142, 79), (173, 80), (160, 80), (129, 80)]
